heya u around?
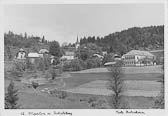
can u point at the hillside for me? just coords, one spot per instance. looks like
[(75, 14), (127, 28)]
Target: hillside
[(145, 38)]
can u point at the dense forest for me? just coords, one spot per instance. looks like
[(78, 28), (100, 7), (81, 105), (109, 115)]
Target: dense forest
[(146, 38)]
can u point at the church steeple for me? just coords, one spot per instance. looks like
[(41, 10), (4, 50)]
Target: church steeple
[(77, 43)]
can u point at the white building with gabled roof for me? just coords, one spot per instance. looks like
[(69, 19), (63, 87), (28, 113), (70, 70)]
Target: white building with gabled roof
[(138, 58)]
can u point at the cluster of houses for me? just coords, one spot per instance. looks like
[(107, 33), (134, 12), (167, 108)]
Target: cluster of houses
[(32, 56), (132, 58)]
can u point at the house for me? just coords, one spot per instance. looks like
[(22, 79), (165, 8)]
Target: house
[(117, 57), (33, 57), (104, 53), (69, 55), (109, 64), (43, 52), (159, 56), (21, 54), (70, 51), (98, 55), (138, 58)]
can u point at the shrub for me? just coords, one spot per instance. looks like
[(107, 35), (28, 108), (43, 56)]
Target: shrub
[(35, 84), (93, 63), (92, 99), (59, 94), (108, 58), (62, 94), (53, 73), (41, 65), (18, 68), (30, 66), (48, 75), (46, 63), (74, 65)]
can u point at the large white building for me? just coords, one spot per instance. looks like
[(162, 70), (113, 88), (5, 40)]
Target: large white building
[(138, 58), (69, 55), (70, 51)]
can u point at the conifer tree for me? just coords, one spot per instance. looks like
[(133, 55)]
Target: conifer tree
[(11, 97)]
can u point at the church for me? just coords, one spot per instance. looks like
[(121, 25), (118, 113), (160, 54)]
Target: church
[(70, 51)]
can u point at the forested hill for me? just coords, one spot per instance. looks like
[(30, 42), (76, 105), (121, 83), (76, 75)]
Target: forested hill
[(145, 38)]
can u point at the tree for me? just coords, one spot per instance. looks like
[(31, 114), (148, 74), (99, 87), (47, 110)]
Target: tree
[(25, 35), (9, 53), (11, 97), (54, 48), (116, 85), (108, 58), (160, 101), (133, 38), (43, 40), (87, 50)]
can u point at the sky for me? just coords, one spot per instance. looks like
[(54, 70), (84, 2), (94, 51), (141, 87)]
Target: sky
[(63, 22)]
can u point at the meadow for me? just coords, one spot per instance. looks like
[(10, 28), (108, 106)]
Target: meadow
[(92, 80)]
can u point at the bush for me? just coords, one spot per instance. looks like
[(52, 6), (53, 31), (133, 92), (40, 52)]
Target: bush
[(30, 66), (74, 65), (108, 58), (41, 65), (46, 63), (53, 73), (34, 84), (59, 94), (18, 68), (92, 99), (62, 94), (48, 75), (93, 63)]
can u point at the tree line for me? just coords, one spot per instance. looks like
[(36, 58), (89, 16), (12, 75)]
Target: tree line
[(22, 40), (145, 38), (140, 38)]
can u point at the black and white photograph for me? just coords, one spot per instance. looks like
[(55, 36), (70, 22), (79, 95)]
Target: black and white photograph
[(84, 56)]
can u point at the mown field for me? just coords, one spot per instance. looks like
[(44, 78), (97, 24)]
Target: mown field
[(78, 79), (30, 98)]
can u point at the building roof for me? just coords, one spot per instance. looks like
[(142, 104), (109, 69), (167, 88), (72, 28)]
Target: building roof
[(109, 63), (157, 51), (34, 55), (69, 53), (70, 49), (97, 55), (42, 51), (139, 52)]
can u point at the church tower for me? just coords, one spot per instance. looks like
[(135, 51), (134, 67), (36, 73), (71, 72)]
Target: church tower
[(77, 43)]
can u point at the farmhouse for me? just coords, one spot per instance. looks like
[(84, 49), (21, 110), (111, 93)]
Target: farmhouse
[(138, 58), (70, 51), (159, 56), (21, 54), (43, 52), (69, 55), (33, 57)]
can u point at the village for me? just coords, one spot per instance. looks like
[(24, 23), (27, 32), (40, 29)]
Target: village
[(58, 80), (84, 56)]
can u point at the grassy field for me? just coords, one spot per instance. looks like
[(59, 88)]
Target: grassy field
[(78, 79), (33, 98)]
